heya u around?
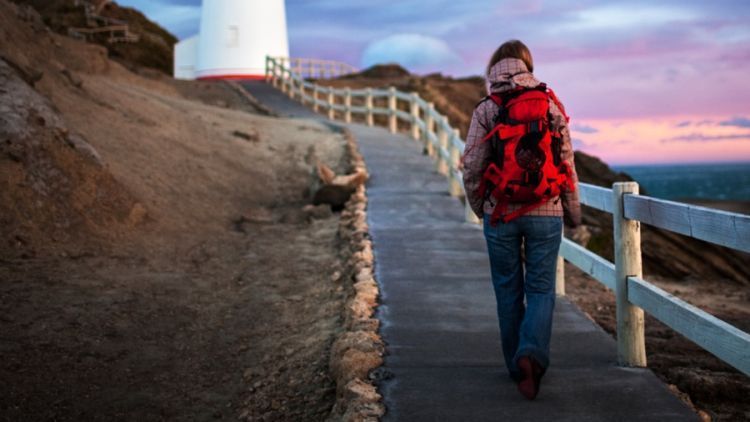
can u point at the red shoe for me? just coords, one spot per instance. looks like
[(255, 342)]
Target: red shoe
[(529, 384)]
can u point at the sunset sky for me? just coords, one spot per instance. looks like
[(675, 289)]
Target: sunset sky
[(644, 81)]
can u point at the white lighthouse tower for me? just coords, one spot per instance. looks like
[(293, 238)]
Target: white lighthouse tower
[(235, 37)]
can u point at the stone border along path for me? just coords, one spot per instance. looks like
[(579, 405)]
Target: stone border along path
[(437, 309), (358, 349)]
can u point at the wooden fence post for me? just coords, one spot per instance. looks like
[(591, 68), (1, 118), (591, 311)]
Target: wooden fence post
[(560, 276), (278, 76), (268, 69), (442, 164), (315, 98), (288, 82), (331, 103), (469, 214), (369, 117), (283, 79), (392, 118), (414, 109), (430, 129), (348, 105), (275, 74), (455, 157), (631, 347)]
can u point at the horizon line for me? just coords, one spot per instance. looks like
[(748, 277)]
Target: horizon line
[(667, 163)]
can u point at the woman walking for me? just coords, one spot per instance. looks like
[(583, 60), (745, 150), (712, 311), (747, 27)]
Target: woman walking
[(520, 178)]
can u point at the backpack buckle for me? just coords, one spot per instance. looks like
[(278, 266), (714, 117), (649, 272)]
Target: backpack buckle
[(535, 126), (531, 178)]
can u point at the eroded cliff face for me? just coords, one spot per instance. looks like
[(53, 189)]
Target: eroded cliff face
[(152, 50), (55, 189)]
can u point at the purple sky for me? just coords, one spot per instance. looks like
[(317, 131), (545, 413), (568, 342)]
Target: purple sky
[(677, 68)]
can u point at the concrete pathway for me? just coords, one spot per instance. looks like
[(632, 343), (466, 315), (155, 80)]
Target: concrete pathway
[(438, 316)]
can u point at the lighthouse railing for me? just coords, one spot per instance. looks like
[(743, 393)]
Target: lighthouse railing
[(316, 68)]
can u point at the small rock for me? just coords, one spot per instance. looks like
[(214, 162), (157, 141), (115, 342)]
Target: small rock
[(79, 143), (137, 214), (74, 79), (253, 215), (258, 215), (252, 137)]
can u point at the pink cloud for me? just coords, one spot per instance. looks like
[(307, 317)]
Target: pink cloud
[(664, 140)]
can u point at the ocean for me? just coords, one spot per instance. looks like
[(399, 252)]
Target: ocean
[(724, 181)]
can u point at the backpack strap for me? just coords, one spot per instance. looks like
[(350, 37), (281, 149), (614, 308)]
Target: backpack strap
[(497, 99), (515, 214), (481, 101), (557, 102)]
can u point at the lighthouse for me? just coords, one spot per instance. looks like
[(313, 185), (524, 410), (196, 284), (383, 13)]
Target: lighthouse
[(234, 39)]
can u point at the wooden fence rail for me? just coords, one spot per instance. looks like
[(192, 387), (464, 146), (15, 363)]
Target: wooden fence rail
[(633, 294), (316, 68)]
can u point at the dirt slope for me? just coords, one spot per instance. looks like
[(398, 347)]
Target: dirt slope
[(155, 263)]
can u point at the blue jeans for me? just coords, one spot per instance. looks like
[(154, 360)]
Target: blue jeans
[(524, 330)]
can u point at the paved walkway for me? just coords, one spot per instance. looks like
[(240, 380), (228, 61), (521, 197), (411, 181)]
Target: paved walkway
[(438, 316)]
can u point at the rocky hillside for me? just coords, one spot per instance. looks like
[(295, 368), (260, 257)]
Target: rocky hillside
[(664, 253), (146, 226), (152, 50), (56, 189), (78, 142)]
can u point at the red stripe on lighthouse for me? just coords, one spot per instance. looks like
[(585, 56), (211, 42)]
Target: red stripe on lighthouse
[(239, 77)]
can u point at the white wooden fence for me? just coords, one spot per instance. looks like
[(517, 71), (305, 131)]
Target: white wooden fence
[(316, 68), (633, 294)]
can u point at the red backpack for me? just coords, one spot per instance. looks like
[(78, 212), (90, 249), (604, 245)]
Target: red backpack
[(526, 167)]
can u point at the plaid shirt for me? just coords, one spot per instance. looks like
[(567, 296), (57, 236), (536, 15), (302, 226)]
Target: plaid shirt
[(504, 76)]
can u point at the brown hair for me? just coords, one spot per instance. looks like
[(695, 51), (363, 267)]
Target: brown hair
[(512, 49)]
